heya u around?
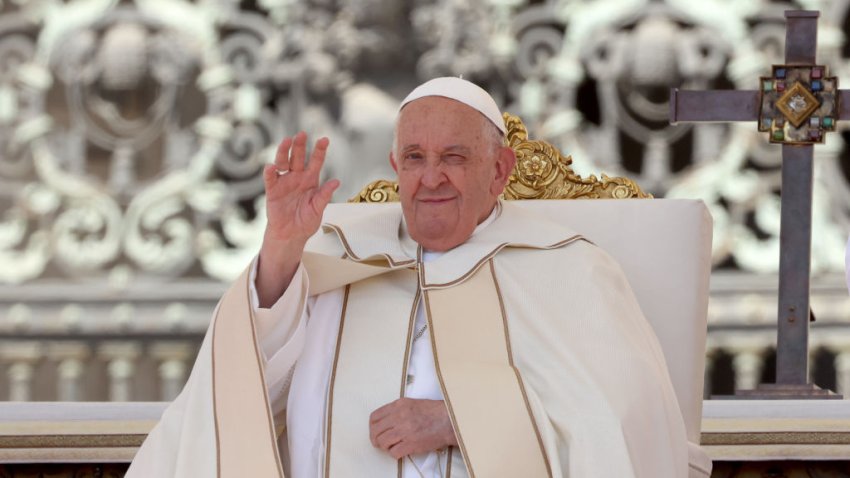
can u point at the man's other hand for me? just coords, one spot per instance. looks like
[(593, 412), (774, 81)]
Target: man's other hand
[(409, 426)]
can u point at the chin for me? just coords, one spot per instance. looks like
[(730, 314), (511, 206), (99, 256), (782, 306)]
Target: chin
[(438, 237), (433, 242), (431, 236), (437, 245)]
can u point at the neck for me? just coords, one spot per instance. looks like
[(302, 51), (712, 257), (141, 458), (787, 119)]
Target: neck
[(489, 217)]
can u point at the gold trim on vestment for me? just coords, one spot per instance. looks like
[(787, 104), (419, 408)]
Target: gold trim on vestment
[(453, 314), (329, 406), (260, 362), (406, 364), (368, 371), (327, 273), (354, 257), (409, 348), (516, 371), (240, 377), (446, 398), (426, 286), (449, 462), (214, 407)]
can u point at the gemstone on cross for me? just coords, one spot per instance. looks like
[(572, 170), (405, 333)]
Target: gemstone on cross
[(799, 97)]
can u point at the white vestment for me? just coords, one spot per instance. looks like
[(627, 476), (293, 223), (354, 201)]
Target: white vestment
[(592, 374)]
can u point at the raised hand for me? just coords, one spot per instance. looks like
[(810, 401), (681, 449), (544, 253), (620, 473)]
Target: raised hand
[(294, 199), (295, 202)]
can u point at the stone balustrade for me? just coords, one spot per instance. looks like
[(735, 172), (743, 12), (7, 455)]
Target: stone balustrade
[(141, 347), (89, 367)]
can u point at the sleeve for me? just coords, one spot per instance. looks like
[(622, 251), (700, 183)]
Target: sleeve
[(281, 332)]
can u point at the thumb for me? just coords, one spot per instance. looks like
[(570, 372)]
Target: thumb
[(324, 194)]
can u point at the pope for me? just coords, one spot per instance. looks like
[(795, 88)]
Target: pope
[(451, 335)]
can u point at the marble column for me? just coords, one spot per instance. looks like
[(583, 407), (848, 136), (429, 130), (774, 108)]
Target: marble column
[(173, 357), (121, 366), (747, 363), (71, 358), (842, 371), (709, 370), (22, 358)]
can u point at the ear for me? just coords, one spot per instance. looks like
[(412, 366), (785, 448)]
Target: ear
[(505, 162), (392, 162)]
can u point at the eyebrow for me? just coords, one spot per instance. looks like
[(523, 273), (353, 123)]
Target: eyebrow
[(452, 148), (458, 148)]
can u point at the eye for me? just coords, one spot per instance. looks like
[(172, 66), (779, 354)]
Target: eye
[(412, 156), (454, 158)]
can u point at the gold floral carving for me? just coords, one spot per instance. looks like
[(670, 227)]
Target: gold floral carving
[(541, 172), (381, 190)]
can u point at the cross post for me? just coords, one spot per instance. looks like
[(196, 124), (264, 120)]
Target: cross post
[(797, 106)]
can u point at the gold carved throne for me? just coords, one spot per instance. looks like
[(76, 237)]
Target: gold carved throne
[(541, 172)]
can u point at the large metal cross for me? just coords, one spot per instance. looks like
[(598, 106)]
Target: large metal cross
[(797, 105)]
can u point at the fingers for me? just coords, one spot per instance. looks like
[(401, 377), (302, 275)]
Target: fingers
[(317, 157), (388, 439), (329, 187), (269, 174), (409, 426), (377, 420), (270, 177), (380, 413), (320, 200), (326, 192), (292, 154), (391, 440), (376, 429), (281, 159), (299, 152), (401, 450)]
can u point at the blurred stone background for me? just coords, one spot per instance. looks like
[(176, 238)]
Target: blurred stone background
[(133, 134)]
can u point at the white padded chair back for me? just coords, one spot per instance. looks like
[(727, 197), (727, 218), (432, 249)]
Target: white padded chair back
[(664, 248)]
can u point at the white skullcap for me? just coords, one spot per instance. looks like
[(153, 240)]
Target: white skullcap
[(461, 90)]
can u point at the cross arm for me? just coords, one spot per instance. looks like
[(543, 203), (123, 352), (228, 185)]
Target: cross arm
[(716, 105)]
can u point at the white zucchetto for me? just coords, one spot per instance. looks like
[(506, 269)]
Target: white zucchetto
[(461, 90)]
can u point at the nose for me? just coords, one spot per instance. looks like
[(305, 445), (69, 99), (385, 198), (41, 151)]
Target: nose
[(433, 176)]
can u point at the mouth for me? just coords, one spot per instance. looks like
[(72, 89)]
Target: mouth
[(435, 201)]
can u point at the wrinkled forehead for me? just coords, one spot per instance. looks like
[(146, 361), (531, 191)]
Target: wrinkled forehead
[(438, 111)]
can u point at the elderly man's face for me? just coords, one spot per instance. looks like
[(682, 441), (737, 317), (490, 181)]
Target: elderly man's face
[(451, 169)]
